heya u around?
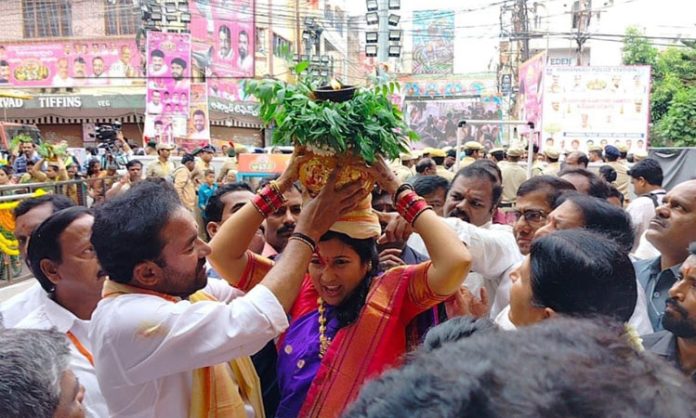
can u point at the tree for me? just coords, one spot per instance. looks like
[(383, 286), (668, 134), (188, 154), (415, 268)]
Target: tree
[(679, 123), (637, 49), (673, 94)]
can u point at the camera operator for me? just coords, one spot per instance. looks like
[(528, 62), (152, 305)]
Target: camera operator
[(111, 139), (134, 175)]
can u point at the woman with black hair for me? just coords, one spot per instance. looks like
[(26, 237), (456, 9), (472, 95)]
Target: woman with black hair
[(573, 273), (577, 211), (349, 322)]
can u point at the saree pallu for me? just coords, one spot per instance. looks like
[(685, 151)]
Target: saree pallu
[(373, 343)]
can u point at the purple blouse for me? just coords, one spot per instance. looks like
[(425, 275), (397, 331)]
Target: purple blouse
[(298, 360)]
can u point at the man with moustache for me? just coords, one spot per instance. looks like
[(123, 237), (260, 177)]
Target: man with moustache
[(99, 77), (225, 202), (281, 224), (63, 260), (245, 61), (178, 66), (496, 253), (225, 38), (677, 344), (157, 66), (167, 340), (671, 231), (469, 206), (28, 153), (28, 215)]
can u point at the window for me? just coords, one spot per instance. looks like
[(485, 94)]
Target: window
[(121, 17), (581, 13), (281, 46), (261, 40), (340, 17), (47, 18)]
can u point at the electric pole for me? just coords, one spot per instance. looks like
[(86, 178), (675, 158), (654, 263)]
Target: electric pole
[(383, 30), (583, 20)]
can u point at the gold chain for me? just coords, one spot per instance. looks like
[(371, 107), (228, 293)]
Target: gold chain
[(324, 341)]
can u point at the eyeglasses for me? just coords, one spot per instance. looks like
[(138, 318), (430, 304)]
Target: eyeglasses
[(532, 216)]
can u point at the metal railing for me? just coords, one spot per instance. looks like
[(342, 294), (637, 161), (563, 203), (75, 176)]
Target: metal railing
[(84, 192)]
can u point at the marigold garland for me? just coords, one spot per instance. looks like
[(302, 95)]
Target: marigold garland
[(8, 243)]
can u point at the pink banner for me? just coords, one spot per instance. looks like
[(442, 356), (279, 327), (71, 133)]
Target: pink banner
[(168, 73), (70, 64), (168, 85), (531, 93), (199, 123), (223, 37)]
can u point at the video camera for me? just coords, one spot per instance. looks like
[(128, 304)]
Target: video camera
[(106, 133)]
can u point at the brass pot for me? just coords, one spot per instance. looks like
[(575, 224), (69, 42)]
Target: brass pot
[(315, 172)]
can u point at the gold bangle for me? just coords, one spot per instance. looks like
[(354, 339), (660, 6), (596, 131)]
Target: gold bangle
[(304, 241)]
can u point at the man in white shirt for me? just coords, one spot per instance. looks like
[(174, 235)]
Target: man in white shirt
[(245, 61), (62, 77), (122, 68), (154, 106), (646, 178), (471, 201), (157, 66), (64, 262), (36, 376), (149, 340), (99, 77), (225, 38), (200, 126), (492, 253), (28, 215), (178, 74)]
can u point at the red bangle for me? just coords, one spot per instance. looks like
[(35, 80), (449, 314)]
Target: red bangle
[(423, 209), (406, 200), (410, 206), (272, 196), (261, 205)]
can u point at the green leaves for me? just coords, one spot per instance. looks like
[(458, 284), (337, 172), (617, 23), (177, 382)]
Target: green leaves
[(367, 125), (673, 93), (301, 67)]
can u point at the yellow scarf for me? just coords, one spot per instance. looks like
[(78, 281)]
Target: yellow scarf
[(220, 390)]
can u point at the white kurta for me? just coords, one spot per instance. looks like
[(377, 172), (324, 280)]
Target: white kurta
[(639, 320), (642, 211), (49, 314), (145, 347), (15, 309), (493, 252)]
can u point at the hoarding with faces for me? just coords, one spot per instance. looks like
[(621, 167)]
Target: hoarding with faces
[(168, 85), (95, 62), (223, 35), (586, 106)]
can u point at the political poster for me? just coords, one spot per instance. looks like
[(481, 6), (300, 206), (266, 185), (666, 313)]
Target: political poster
[(223, 35), (436, 120), (531, 89), (69, 64), (433, 42), (168, 85), (198, 127), (585, 106)]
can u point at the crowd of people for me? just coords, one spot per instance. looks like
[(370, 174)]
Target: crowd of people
[(440, 293)]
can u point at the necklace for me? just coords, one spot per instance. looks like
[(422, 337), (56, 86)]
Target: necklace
[(324, 341)]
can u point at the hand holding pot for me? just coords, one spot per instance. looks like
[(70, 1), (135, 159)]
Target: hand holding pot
[(291, 173), (384, 176), (319, 213)]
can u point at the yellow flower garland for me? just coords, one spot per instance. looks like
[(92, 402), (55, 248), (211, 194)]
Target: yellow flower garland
[(7, 223)]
